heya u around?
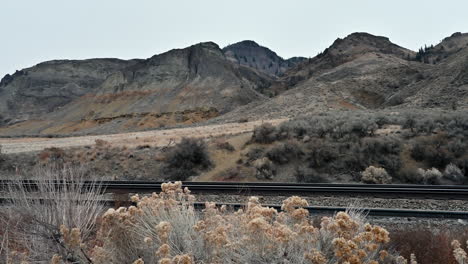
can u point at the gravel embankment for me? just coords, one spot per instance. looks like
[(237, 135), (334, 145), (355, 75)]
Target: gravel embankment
[(343, 201)]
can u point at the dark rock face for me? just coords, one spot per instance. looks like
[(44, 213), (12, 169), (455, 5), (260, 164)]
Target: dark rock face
[(182, 79), (250, 54), (38, 90)]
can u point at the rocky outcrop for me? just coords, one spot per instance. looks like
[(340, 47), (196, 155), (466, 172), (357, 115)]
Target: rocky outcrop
[(249, 53), (60, 92), (44, 88)]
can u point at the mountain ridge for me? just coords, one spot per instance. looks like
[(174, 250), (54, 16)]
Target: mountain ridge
[(203, 81)]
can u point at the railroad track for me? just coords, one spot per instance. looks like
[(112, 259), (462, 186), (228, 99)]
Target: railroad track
[(420, 191), (394, 190), (318, 210)]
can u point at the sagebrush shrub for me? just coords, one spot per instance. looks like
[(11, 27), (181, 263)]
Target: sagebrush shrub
[(376, 175), (284, 152), (459, 253), (409, 174), (265, 169), (165, 228), (225, 146), (430, 176), (264, 134), (453, 173), (309, 175), (186, 159)]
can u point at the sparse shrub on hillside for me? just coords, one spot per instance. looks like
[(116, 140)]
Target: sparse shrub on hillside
[(425, 126), (254, 154), (384, 151), (284, 152), (430, 176), (236, 173), (410, 174), (264, 134), (100, 143), (349, 142), (409, 122), (376, 175), (309, 175), (230, 174), (52, 155), (436, 150), (463, 165), (457, 146), (225, 146), (186, 159), (321, 153), (296, 129), (265, 169), (453, 173)]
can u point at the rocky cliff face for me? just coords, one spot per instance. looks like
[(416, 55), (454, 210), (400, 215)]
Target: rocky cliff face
[(61, 93), (250, 54), (33, 92), (200, 82)]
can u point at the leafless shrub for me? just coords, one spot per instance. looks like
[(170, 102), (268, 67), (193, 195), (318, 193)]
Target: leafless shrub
[(254, 154), (225, 146), (52, 155), (186, 159), (284, 152), (309, 175), (428, 244), (101, 143), (409, 174), (264, 134), (453, 173), (265, 169), (60, 201), (375, 175), (430, 176)]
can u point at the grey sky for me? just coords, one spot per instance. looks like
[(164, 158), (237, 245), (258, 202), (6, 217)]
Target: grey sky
[(37, 30)]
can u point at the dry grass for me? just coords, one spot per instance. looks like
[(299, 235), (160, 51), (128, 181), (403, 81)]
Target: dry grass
[(37, 218), (157, 138), (430, 246)]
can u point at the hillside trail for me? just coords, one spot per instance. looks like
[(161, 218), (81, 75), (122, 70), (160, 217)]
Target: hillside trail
[(156, 138)]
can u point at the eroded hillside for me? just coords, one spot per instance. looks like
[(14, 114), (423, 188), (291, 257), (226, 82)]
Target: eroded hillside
[(243, 81)]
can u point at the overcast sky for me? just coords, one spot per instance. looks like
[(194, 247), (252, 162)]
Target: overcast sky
[(32, 31)]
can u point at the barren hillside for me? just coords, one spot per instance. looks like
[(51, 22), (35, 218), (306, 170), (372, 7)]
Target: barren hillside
[(203, 83)]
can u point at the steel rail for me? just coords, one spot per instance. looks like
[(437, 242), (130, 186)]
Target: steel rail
[(313, 210), (400, 190)]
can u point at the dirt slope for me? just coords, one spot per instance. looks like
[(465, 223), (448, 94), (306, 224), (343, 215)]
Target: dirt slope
[(154, 138)]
